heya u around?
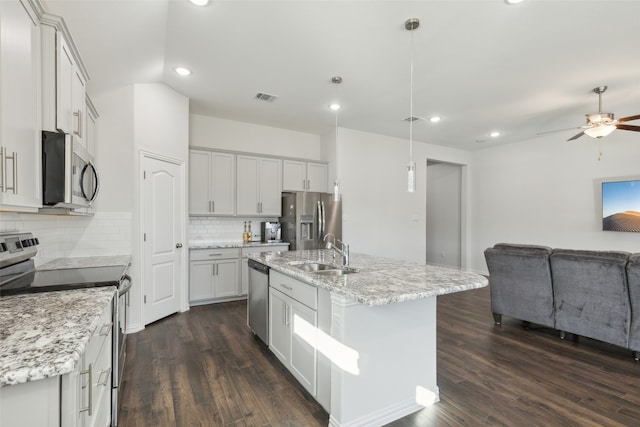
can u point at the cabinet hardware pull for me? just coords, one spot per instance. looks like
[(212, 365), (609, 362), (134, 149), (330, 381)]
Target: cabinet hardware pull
[(106, 379), (79, 123), (286, 287), (108, 326), (287, 316), (3, 185), (90, 372), (304, 184), (308, 184), (215, 254)]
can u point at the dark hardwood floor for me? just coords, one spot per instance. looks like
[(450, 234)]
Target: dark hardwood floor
[(205, 368)]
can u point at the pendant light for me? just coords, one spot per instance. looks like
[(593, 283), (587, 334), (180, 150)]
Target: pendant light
[(410, 25), (336, 107)]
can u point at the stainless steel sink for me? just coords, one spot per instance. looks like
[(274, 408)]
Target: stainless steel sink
[(315, 266), (324, 269)]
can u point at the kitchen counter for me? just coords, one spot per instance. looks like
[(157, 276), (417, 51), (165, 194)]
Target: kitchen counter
[(44, 334), (210, 244), (377, 280), (374, 331), (85, 262)]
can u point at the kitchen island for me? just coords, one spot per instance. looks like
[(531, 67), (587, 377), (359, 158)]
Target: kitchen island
[(373, 332)]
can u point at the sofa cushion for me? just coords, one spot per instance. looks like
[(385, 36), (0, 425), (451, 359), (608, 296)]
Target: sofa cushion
[(520, 283), (633, 277), (591, 294)]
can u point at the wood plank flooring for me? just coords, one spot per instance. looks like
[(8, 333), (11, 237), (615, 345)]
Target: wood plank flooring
[(205, 368)]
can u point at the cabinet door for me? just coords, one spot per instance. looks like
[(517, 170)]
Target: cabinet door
[(303, 359), (226, 282), (223, 186), (19, 104), (270, 196), (201, 274), (247, 180), (317, 177), (65, 77), (199, 182), (294, 175), (78, 108), (279, 329)]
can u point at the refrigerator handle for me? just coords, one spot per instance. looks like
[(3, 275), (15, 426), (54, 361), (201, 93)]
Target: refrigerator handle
[(319, 223), (324, 222)]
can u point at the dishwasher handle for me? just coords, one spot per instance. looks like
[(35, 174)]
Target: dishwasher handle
[(258, 266)]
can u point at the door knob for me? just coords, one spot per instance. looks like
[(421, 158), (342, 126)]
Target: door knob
[(178, 245)]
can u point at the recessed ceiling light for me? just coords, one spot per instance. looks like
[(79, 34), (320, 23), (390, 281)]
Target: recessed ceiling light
[(494, 134), (200, 2), (513, 1), (183, 71), (434, 119), (335, 107)]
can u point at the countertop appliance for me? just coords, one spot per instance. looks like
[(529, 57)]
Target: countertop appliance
[(18, 275), (270, 232), (307, 217), (258, 300), (69, 177)]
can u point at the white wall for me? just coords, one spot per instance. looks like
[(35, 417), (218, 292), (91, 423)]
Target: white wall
[(222, 134), (379, 216), (546, 191)]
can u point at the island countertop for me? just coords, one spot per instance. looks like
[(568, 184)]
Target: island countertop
[(377, 280), (211, 244), (44, 334)]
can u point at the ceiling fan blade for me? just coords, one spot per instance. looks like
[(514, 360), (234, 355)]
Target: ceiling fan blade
[(629, 127), (562, 130), (628, 119), (576, 136)]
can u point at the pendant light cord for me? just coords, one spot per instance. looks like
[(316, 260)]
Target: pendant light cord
[(411, 103)]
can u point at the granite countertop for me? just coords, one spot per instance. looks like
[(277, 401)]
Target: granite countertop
[(43, 334), (87, 262), (377, 281), (210, 244)]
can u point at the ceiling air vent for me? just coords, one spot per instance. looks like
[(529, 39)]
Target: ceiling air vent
[(266, 97), (412, 119)]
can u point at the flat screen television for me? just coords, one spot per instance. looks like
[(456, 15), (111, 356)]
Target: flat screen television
[(621, 206)]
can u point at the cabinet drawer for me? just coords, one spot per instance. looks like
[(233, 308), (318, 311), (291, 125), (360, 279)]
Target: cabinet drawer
[(259, 249), (306, 294), (100, 335), (211, 254)]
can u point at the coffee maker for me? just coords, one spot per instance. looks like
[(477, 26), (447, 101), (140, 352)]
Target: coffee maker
[(270, 232)]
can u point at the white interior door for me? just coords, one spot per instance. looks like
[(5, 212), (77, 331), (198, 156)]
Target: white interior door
[(163, 234)]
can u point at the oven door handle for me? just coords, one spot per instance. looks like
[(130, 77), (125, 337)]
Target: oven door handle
[(125, 285)]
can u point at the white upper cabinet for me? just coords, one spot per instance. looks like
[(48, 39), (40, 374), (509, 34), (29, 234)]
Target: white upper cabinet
[(259, 182), (20, 164), (64, 80), (211, 183), (304, 176)]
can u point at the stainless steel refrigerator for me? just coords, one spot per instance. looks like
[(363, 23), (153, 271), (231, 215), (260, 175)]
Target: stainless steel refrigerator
[(307, 217)]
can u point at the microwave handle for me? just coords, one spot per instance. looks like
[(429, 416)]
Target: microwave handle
[(97, 179)]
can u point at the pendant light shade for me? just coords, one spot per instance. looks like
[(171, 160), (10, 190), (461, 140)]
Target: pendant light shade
[(410, 25)]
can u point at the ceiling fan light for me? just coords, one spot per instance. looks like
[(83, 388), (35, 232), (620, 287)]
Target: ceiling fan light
[(600, 131)]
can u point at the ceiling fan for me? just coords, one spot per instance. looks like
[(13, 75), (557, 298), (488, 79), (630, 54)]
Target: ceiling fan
[(602, 124)]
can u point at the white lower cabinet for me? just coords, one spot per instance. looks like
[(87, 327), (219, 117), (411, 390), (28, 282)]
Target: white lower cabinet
[(293, 329), (81, 398), (214, 274)]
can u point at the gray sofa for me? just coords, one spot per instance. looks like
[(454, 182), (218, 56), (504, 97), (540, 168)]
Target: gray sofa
[(587, 293)]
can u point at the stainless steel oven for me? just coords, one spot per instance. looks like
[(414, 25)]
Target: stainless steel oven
[(18, 275)]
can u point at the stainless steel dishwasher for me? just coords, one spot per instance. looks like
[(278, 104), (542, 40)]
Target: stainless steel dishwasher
[(258, 300)]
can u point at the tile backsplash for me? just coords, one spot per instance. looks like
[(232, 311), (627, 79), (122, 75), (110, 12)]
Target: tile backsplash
[(218, 229), (105, 233)]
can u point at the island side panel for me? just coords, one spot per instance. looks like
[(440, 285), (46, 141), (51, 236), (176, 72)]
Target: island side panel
[(384, 361)]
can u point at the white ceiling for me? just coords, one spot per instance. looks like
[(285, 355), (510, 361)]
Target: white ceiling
[(481, 65)]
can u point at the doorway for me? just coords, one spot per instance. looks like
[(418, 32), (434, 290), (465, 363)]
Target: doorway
[(162, 207), (445, 214)]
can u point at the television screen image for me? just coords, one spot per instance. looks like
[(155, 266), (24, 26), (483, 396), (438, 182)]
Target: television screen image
[(621, 206)]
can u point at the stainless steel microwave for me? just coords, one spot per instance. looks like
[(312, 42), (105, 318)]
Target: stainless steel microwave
[(69, 177)]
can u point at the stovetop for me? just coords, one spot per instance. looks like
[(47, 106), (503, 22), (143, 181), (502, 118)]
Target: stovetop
[(18, 274)]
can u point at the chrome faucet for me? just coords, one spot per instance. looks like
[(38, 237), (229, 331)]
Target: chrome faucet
[(344, 250)]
